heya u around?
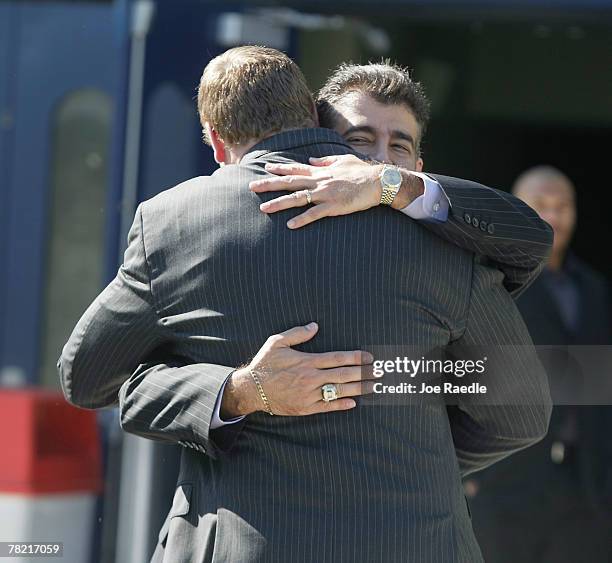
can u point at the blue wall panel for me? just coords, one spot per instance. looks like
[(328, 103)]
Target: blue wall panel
[(7, 61), (57, 48)]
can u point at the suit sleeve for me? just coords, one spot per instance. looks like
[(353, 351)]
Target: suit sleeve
[(497, 226), (515, 411), (117, 332), (173, 402)]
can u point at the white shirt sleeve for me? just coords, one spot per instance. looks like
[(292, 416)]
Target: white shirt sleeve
[(216, 421), (432, 205)]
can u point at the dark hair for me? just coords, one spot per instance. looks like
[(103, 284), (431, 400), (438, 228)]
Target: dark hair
[(385, 82)]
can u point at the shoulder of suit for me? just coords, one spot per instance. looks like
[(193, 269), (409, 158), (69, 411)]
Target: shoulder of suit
[(188, 194), (184, 190)]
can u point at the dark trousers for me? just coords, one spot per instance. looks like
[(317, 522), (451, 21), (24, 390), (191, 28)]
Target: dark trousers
[(552, 525)]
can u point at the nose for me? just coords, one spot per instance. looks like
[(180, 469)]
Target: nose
[(382, 154)]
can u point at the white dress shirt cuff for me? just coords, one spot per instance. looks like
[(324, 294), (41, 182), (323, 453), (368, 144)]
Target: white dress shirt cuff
[(216, 421), (432, 205)]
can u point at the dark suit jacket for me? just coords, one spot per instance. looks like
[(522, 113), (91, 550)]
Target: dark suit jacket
[(207, 278), (588, 463), (545, 323), (498, 227)]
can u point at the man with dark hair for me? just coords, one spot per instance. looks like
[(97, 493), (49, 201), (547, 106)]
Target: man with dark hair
[(207, 278), (386, 83), (383, 114)]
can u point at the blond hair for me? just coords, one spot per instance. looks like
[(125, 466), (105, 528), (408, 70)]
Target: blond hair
[(249, 93)]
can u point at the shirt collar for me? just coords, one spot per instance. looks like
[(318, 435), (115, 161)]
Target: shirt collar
[(293, 139)]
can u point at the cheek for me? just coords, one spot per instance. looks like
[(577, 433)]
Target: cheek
[(368, 150), (407, 162)]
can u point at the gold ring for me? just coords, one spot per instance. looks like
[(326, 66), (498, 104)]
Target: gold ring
[(329, 392), (308, 196)]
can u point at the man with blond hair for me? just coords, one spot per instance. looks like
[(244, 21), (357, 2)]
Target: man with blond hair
[(207, 277)]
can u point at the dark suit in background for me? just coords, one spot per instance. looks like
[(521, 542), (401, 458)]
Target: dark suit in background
[(553, 502), (208, 277)]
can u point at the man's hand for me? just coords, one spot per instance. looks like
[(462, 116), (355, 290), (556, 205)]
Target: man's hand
[(339, 185), (292, 380)]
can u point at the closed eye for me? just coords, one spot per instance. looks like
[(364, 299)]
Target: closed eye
[(401, 148), (357, 140)]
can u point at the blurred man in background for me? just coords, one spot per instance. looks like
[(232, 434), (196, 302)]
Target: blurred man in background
[(552, 502)]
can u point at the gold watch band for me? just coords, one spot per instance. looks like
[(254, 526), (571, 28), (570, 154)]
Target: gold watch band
[(388, 195)]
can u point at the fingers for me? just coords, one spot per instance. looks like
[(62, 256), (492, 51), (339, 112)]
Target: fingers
[(290, 201), (344, 392), (293, 168), (344, 402), (354, 389), (345, 374), (338, 359), (296, 335), (337, 405), (310, 216), (280, 183), (296, 199), (329, 160)]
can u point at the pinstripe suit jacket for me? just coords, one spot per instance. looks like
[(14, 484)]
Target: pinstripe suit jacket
[(207, 278)]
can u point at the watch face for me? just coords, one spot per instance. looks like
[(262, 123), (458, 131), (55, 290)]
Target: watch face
[(392, 177)]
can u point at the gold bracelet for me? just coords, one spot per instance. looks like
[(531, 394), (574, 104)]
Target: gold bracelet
[(261, 392)]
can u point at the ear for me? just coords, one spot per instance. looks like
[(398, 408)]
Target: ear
[(419, 165), (217, 143)]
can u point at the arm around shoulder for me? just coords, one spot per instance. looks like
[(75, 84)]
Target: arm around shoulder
[(515, 411), (498, 226), (173, 402), (117, 332)]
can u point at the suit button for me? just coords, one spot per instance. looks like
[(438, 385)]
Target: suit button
[(483, 225), (490, 229), (467, 218), (475, 221), (436, 207)]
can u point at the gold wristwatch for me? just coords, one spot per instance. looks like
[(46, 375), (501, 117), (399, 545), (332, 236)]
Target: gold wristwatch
[(391, 180)]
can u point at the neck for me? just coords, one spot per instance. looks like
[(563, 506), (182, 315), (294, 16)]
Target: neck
[(234, 153)]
